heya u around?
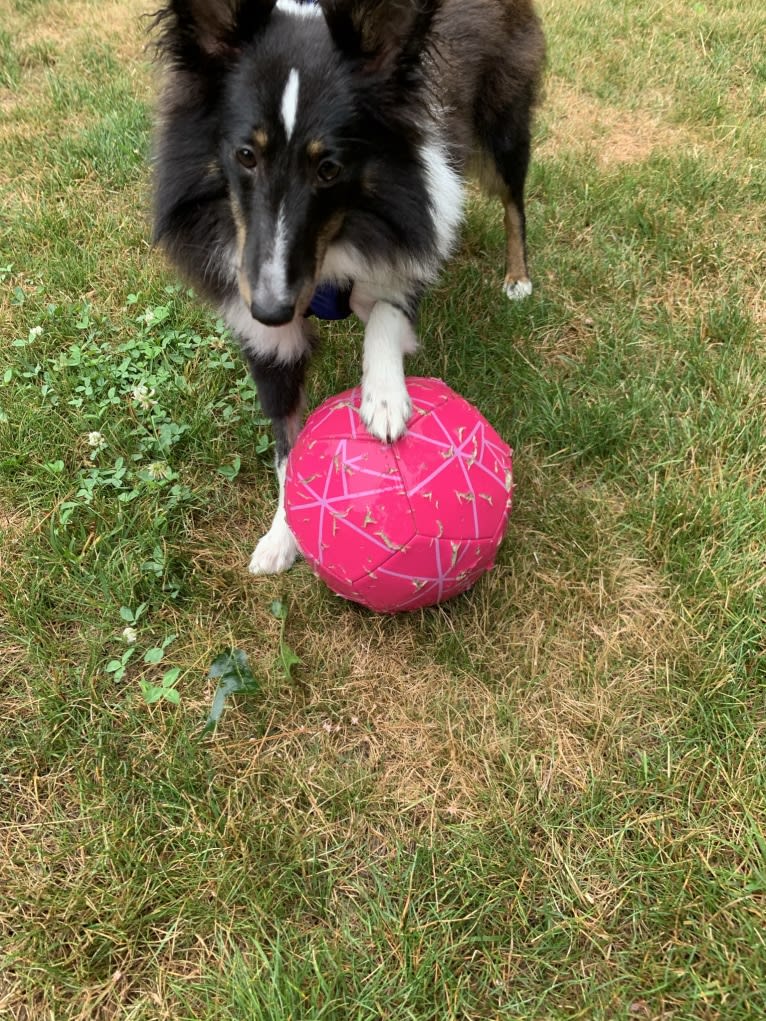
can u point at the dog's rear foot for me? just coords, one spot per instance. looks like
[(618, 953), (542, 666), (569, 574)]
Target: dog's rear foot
[(517, 288), (275, 552)]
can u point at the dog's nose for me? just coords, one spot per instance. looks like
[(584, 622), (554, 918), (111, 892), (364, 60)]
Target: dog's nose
[(273, 315)]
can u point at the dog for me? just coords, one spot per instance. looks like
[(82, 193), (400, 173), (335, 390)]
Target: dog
[(301, 144)]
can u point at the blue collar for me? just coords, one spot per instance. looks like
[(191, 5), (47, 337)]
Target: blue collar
[(330, 302)]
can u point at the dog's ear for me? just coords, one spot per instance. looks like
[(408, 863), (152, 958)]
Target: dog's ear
[(192, 32), (381, 35)]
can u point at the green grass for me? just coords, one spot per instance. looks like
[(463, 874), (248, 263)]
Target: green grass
[(543, 800)]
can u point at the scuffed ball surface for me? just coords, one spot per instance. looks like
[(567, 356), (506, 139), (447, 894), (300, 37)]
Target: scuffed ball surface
[(404, 525)]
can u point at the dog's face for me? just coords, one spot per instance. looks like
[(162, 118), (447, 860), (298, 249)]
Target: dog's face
[(315, 109), (297, 157)]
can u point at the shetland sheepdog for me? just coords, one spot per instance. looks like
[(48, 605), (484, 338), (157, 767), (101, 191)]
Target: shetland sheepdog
[(303, 144)]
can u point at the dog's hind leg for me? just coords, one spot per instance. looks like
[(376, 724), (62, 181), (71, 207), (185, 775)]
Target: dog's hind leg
[(280, 390), (508, 144), (517, 283), (513, 165)]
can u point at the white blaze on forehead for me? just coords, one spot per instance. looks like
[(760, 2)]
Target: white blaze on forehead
[(301, 10), (272, 283), (290, 102)]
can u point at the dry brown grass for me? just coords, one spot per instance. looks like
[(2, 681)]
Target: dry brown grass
[(565, 692), (68, 25), (607, 135), (14, 525), (600, 670), (64, 29)]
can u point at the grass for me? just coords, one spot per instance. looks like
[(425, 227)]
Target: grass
[(543, 800)]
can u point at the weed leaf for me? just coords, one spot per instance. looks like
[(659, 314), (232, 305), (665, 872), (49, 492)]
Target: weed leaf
[(279, 609), (151, 692), (234, 678), (230, 471), (289, 659)]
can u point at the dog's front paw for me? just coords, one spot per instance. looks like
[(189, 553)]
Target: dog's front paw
[(386, 410), (516, 289), (275, 552)]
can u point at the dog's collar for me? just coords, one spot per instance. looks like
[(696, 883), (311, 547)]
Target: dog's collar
[(330, 302)]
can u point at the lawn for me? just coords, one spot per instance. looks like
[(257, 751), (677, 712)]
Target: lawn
[(545, 799)]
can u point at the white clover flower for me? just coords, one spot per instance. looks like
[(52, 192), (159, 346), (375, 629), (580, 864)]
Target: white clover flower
[(158, 470), (35, 332), (143, 396), (130, 635), (96, 440), (148, 317)]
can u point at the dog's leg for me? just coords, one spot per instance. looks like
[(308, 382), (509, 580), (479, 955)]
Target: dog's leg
[(513, 166), (510, 151), (517, 283), (277, 549), (389, 335), (277, 357), (280, 389)]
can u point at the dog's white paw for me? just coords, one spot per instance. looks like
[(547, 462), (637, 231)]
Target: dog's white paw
[(517, 289), (386, 410), (275, 552)]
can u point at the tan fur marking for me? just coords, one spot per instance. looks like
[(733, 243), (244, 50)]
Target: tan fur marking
[(315, 148), (244, 287), (241, 226), (516, 267), (260, 138), (327, 234), (238, 216)]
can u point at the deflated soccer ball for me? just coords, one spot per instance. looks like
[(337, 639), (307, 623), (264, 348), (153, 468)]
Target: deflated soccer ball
[(403, 525)]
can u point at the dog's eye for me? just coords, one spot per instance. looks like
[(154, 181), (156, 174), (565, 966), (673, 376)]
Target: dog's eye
[(328, 171), (246, 157)]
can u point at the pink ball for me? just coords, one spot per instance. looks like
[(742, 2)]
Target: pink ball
[(403, 525)]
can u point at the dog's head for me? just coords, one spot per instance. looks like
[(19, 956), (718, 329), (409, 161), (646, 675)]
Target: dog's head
[(316, 110)]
